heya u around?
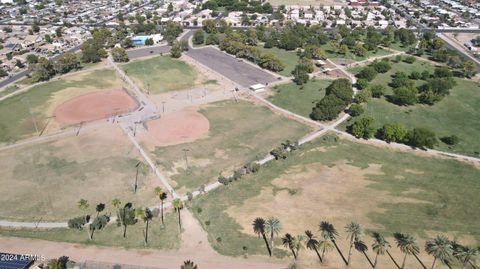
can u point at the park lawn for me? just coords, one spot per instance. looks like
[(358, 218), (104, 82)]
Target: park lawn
[(45, 181), (331, 54), (16, 122), (456, 114), (240, 132), (288, 57), (341, 181), (161, 74), (299, 99), (112, 236)]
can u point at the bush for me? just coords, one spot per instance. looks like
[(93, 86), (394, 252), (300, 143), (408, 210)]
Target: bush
[(362, 83), (377, 90), (368, 73), (363, 96), (405, 96), (410, 59), (450, 140), (363, 128), (442, 72), (355, 110), (425, 75), (198, 37), (393, 132), (382, 66), (415, 75), (327, 108), (400, 79), (422, 138)]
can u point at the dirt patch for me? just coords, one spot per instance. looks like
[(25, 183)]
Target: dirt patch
[(94, 106), (177, 128)]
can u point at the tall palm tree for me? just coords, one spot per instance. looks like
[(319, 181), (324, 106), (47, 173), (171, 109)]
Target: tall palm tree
[(407, 244), (272, 227), (298, 243), (84, 205), (355, 231), (440, 248), (312, 244), (116, 203), (178, 206), (381, 246), (329, 232), (188, 265), (465, 254), (325, 246), (162, 196), (361, 247), (126, 217), (287, 241), (259, 229), (146, 215), (99, 208)]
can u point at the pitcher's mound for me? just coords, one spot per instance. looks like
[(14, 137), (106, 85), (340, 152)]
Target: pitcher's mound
[(94, 106), (178, 127)]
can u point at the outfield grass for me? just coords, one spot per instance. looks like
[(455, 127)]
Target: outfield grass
[(410, 193), (16, 122), (161, 74), (299, 99), (331, 54), (239, 133), (456, 114), (288, 58), (159, 238), (45, 181)]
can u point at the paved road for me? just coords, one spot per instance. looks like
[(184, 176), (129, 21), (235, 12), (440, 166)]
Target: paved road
[(148, 51), (461, 49)]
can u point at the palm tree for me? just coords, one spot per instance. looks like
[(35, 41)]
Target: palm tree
[(272, 227), (298, 243), (84, 205), (259, 229), (162, 196), (407, 244), (360, 246), (355, 231), (440, 248), (126, 217), (329, 232), (381, 246), (188, 265), (287, 241), (465, 254), (146, 215), (312, 244), (116, 203), (99, 208), (178, 206), (325, 246)]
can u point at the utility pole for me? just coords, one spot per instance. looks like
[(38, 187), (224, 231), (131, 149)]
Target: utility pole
[(25, 100), (186, 158), (135, 185), (163, 106)]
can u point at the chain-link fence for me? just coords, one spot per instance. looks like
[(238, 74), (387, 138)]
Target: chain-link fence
[(106, 265)]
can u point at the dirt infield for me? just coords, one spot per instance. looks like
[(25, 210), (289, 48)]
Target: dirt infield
[(93, 106), (178, 127)]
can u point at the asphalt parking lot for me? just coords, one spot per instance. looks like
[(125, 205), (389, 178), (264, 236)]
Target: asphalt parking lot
[(147, 51)]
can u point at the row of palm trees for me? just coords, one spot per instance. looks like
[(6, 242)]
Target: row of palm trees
[(440, 247), (127, 215)]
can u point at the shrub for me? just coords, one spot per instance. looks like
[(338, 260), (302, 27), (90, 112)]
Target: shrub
[(363, 128), (327, 108), (368, 73), (393, 132), (355, 110), (363, 96), (410, 59), (422, 138), (362, 83), (415, 75), (377, 90), (405, 96), (382, 66), (450, 140)]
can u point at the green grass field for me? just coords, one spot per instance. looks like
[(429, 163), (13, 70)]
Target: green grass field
[(288, 58), (159, 238), (45, 181), (410, 193), (16, 122), (239, 133), (456, 114), (298, 99), (161, 74), (332, 54)]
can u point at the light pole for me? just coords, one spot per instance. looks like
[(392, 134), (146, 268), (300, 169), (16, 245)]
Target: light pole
[(186, 158), (163, 106), (25, 100)]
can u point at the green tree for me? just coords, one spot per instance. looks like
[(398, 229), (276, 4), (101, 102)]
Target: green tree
[(329, 232), (393, 132), (368, 73), (162, 196), (146, 215), (119, 55), (176, 50), (312, 244), (188, 265), (198, 37), (300, 74), (288, 242), (32, 59), (149, 42), (99, 208), (126, 217), (465, 254), (377, 90), (271, 62), (381, 246), (43, 70), (209, 26), (469, 69), (66, 63), (212, 39), (178, 206), (272, 227), (98, 224), (355, 110), (440, 248), (363, 128), (405, 96)]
